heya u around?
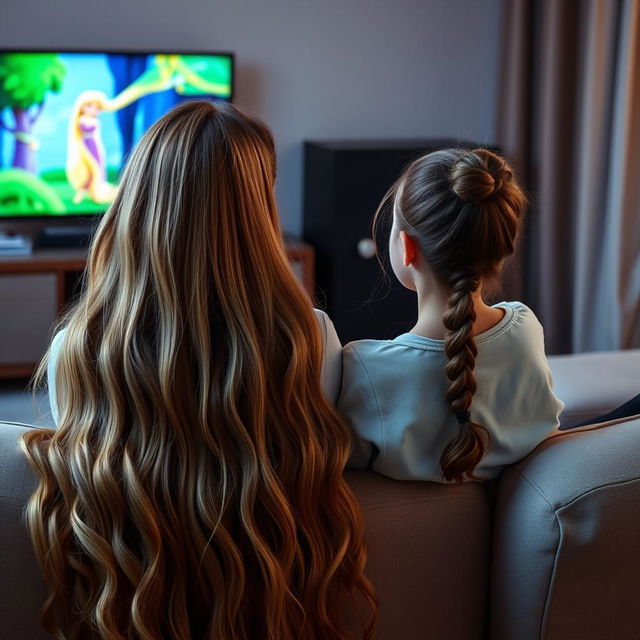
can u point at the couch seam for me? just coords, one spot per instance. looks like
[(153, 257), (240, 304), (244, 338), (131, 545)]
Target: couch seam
[(21, 424), (613, 483), (563, 433), (535, 486), (558, 507), (553, 510), (395, 503), (552, 579)]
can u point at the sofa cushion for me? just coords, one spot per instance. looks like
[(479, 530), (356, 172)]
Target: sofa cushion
[(22, 589), (428, 550), (566, 559), (592, 384)]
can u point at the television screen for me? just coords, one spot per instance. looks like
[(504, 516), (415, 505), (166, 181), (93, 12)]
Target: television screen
[(68, 120)]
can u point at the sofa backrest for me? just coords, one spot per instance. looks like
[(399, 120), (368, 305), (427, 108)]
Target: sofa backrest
[(565, 535), (428, 552)]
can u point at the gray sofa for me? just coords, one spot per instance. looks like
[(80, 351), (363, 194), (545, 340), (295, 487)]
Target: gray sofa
[(550, 551)]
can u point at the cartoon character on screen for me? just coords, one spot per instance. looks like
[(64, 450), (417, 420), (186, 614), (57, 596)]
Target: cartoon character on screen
[(86, 161)]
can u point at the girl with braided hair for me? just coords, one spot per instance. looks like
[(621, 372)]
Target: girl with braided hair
[(468, 390)]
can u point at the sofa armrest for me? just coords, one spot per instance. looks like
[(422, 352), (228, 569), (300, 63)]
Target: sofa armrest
[(566, 556)]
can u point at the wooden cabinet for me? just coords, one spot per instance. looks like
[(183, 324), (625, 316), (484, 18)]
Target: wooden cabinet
[(35, 289)]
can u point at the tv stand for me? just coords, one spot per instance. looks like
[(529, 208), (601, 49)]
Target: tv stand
[(36, 289), (66, 237)]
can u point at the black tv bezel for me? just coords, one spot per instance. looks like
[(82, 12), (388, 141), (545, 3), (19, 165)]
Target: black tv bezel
[(75, 219)]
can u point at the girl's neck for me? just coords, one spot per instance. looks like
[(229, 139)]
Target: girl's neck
[(432, 303)]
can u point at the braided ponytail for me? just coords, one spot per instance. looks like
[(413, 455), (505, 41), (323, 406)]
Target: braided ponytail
[(465, 209), (464, 452)]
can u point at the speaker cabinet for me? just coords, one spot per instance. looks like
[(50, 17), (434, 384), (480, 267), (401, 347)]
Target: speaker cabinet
[(344, 183)]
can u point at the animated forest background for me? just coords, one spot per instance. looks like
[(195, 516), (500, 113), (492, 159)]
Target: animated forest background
[(37, 94)]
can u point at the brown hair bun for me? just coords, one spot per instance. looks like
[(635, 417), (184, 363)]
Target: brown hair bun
[(476, 175)]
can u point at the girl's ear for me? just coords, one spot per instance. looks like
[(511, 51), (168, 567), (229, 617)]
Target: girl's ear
[(409, 248)]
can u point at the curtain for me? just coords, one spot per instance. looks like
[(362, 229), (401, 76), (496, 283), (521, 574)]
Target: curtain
[(569, 122)]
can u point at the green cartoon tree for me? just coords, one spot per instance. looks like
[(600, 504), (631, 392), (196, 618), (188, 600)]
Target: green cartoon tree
[(24, 194), (25, 80)]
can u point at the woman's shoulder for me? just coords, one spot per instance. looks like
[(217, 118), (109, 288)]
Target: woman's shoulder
[(323, 319), (332, 356), (56, 343), (58, 336), (328, 330)]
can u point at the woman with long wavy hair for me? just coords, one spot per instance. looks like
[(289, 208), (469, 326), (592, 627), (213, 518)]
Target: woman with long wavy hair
[(193, 488)]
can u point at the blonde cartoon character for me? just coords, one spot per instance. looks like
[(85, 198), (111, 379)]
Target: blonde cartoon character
[(86, 163)]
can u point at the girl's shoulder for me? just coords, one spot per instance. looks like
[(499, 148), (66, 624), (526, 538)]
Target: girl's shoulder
[(522, 322), (369, 348), (519, 343), (385, 359), (518, 307), (519, 332)]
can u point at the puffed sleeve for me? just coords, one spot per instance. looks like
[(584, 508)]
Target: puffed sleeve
[(359, 406), (550, 406), (332, 359), (535, 408)]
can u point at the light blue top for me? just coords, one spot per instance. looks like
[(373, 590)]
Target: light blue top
[(331, 364), (394, 395)]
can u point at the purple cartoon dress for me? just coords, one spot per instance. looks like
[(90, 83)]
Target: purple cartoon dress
[(90, 135)]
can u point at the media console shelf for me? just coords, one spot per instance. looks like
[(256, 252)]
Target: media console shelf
[(36, 289)]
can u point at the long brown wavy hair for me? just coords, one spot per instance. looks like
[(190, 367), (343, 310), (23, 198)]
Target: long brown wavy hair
[(193, 487), (465, 210)]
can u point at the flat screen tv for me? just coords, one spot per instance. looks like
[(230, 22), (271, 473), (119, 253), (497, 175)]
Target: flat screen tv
[(69, 119)]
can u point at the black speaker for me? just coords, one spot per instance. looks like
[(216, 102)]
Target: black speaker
[(344, 182)]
